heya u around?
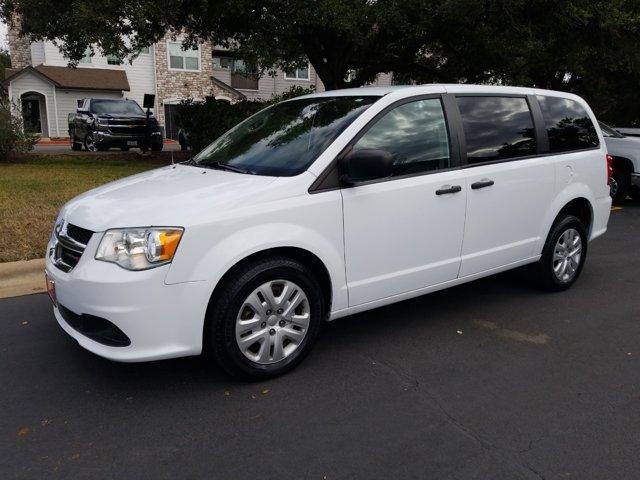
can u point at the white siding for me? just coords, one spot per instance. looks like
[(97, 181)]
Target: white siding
[(140, 73), (28, 82)]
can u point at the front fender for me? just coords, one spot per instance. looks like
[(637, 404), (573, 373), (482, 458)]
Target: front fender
[(207, 252)]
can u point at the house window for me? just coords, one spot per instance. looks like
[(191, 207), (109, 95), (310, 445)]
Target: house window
[(113, 60), (87, 56), (297, 74), (222, 62), (183, 59), (144, 51)]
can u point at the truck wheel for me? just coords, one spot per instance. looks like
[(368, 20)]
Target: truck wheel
[(634, 192), (619, 187), (89, 143)]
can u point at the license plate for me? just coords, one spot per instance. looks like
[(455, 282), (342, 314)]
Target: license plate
[(132, 143), (51, 289)]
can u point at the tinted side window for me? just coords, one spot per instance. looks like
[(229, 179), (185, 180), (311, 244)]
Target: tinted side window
[(568, 125), (497, 128), (415, 133)]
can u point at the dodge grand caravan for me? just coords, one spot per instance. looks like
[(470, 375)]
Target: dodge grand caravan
[(323, 206)]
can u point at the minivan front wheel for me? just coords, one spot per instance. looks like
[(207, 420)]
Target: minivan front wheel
[(563, 255), (265, 319)]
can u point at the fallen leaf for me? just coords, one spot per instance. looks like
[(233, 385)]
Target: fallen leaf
[(265, 391), (24, 323), (75, 456), (45, 422), (227, 393), (23, 431), (459, 332)]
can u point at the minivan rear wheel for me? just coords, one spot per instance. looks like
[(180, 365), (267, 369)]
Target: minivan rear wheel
[(265, 318), (563, 255)]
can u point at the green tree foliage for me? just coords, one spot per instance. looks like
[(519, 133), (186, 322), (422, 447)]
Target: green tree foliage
[(13, 137), (585, 46)]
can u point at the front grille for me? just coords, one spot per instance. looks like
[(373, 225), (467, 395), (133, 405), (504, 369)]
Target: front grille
[(70, 243), (127, 127), (98, 329), (79, 234)]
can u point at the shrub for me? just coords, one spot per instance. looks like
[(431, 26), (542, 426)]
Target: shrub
[(206, 121), (13, 137)]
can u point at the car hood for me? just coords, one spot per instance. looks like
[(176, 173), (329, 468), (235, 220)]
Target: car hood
[(177, 195)]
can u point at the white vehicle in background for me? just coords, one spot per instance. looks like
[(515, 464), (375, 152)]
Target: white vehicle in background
[(327, 205), (625, 151)]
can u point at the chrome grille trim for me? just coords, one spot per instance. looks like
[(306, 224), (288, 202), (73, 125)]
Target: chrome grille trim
[(64, 246)]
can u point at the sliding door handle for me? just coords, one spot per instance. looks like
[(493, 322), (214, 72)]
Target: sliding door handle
[(446, 189), (484, 183)]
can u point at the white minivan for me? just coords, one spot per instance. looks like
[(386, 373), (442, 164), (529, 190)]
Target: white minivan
[(323, 206)]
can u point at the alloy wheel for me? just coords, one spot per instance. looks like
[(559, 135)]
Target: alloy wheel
[(567, 255), (272, 322), (89, 144)]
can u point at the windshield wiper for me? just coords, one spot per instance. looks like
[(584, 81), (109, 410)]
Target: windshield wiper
[(224, 166)]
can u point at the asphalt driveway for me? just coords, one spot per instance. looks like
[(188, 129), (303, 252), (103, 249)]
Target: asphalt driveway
[(490, 380)]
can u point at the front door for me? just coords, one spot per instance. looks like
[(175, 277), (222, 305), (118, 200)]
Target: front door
[(405, 233), (31, 115), (509, 187)]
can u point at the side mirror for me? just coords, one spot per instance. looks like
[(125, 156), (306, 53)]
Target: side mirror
[(365, 164)]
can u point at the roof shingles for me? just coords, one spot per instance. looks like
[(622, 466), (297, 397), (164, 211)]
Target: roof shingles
[(79, 78)]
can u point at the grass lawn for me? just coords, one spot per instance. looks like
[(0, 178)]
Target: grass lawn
[(34, 187)]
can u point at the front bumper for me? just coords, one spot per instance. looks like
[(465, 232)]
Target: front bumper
[(108, 139), (159, 320)]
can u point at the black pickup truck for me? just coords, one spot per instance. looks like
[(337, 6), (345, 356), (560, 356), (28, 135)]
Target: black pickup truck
[(100, 124)]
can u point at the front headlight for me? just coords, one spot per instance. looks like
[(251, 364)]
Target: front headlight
[(139, 248)]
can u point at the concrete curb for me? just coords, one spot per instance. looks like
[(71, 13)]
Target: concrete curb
[(22, 278)]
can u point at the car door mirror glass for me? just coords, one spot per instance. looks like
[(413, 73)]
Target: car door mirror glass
[(366, 164)]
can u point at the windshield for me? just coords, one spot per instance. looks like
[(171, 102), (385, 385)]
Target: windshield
[(608, 131), (284, 139), (116, 107)]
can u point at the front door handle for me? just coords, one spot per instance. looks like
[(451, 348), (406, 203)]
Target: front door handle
[(484, 183), (446, 189)]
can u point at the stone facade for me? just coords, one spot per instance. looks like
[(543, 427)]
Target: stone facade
[(19, 47), (172, 86)]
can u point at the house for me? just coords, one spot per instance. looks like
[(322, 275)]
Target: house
[(45, 90)]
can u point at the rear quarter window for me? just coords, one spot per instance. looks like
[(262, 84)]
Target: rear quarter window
[(568, 125)]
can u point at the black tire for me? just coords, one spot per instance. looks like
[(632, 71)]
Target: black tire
[(543, 270), (634, 192), (75, 146), (620, 185), (224, 307)]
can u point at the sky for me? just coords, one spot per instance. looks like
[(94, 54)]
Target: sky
[(3, 35)]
